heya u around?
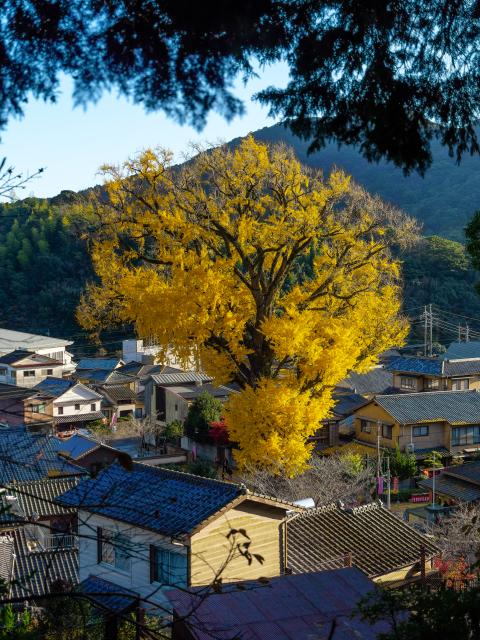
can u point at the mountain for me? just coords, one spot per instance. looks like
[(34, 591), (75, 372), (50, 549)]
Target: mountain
[(44, 263), (443, 201)]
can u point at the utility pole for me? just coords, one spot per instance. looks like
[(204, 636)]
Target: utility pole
[(427, 316), (388, 482)]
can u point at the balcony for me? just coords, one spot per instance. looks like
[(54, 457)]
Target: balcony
[(40, 539)]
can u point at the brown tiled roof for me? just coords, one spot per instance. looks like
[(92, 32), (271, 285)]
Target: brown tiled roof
[(379, 542)]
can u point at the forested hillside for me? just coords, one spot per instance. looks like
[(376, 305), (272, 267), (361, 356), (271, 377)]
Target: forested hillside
[(44, 263), (443, 201)]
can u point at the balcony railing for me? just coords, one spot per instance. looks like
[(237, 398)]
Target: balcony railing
[(53, 541)]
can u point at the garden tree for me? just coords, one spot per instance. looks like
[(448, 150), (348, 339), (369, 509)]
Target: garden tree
[(387, 77), (458, 536), (402, 465), (173, 430), (416, 613), (205, 258), (346, 477), (203, 410), (14, 626)]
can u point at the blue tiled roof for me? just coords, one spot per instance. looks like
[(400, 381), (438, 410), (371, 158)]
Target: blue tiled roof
[(74, 446), (25, 457), (98, 363), (110, 597), (54, 386), (165, 501), (460, 350), (416, 365)]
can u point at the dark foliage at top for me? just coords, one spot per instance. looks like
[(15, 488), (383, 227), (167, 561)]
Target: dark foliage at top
[(389, 77)]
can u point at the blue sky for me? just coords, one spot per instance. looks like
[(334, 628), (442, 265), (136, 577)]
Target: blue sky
[(72, 143)]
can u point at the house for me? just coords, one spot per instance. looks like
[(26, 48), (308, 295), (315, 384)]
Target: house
[(146, 352), (155, 528), (340, 423), (120, 400), (27, 368), (457, 370), (369, 537), (289, 607), (445, 421), (13, 400), (163, 394), (455, 485), (25, 457), (54, 348), (38, 543), (68, 404)]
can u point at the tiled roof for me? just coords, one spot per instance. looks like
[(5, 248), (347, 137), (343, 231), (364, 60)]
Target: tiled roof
[(104, 376), (469, 471), (169, 502), (31, 357), (98, 363), (54, 387), (377, 380), (25, 457), (34, 573), (190, 393), (461, 367), (455, 407), (110, 597), (411, 364), (75, 446), (296, 607), (347, 403), (80, 417), (118, 392), (378, 541), (460, 350), (39, 497), (183, 377), (423, 452), (453, 488), (11, 392)]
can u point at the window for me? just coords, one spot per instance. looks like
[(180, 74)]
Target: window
[(366, 426), (38, 408), (113, 548), (168, 567), (3, 371), (420, 431), (29, 374), (13, 374), (408, 383), (432, 383), (47, 372), (176, 407), (93, 407), (138, 412), (387, 431), (77, 407), (60, 411), (465, 435), (460, 384)]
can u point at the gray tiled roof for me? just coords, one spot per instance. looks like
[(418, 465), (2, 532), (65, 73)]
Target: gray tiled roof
[(469, 471), (378, 541), (34, 573), (117, 392), (39, 497), (461, 367), (21, 354), (7, 555), (455, 407), (183, 377), (79, 417), (453, 488), (377, 380)]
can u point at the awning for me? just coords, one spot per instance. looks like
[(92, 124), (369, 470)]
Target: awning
[(79, 417)]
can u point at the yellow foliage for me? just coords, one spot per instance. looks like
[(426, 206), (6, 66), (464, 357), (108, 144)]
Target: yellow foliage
[(258, 268)]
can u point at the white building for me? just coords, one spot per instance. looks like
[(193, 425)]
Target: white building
[(55, 348), (26, 368), (139, 351), (71, 403)]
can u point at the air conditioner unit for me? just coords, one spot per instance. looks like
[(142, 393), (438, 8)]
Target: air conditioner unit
[(410, 447)]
